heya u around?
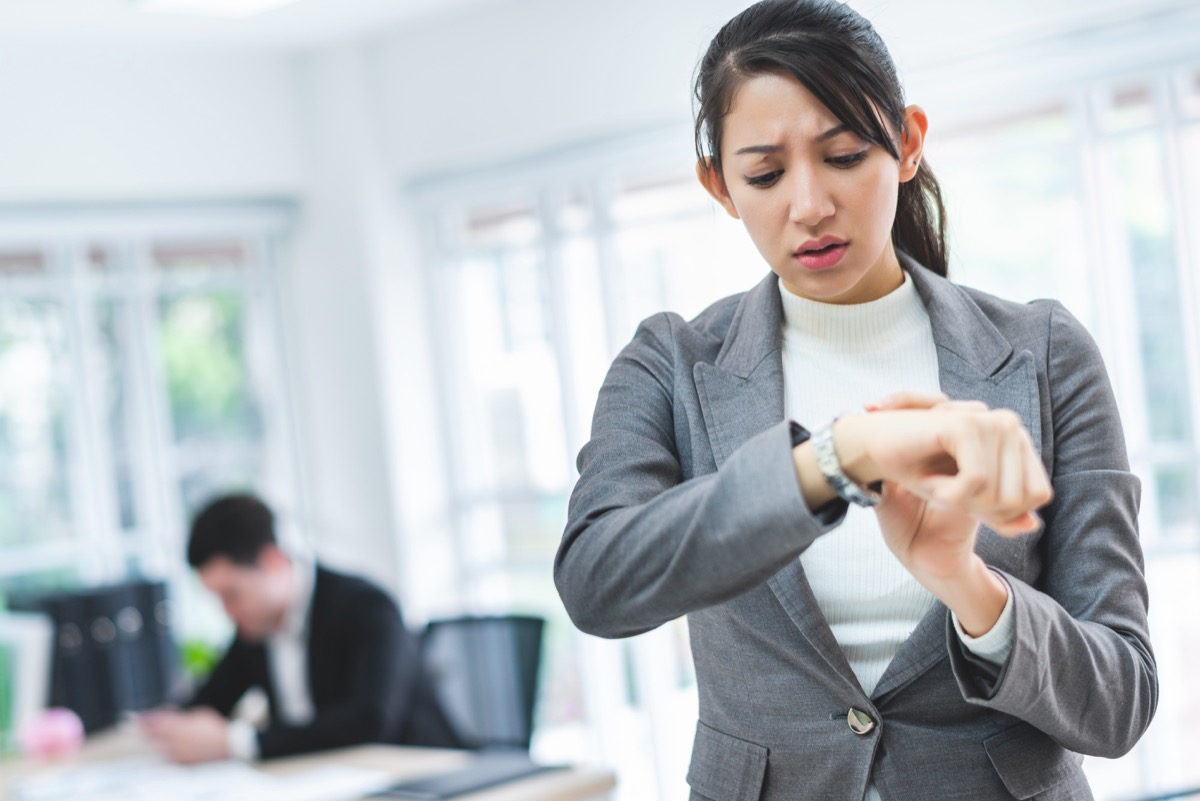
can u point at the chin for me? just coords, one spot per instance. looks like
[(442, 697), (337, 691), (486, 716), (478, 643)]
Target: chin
[(250, 635), (823, 286)]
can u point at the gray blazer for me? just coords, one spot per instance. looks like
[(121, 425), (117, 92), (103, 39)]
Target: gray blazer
[(687, 503)]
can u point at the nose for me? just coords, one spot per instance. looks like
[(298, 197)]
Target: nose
[(810, 202)]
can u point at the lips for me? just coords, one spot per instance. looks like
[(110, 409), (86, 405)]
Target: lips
[(820, 254)]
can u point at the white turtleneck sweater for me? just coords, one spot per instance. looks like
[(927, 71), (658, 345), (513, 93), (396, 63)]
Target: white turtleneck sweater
[(836, 359)]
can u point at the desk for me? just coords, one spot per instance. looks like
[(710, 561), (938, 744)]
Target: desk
[(403, 762)]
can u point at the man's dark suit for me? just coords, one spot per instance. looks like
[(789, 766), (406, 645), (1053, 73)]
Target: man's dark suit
[(364, 676)]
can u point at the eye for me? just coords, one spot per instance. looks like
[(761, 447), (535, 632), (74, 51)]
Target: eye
[(766, 179), (844, 162)]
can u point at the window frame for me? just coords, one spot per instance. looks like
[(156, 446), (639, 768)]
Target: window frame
[(102, 549)]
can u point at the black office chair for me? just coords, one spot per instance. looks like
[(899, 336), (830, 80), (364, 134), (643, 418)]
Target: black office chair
[(484, 671)]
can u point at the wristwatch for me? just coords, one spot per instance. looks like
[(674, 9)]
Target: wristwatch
[(799, 433), (831, 468), (832, 513)]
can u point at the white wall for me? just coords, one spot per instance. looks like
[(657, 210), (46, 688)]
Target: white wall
[(84, 121), (329, 304), (513, 78)]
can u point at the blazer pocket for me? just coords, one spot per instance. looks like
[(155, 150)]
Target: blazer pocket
[(725, 768), (1029, 762)]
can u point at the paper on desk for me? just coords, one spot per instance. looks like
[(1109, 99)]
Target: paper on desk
[(333, 783), (154, 780)]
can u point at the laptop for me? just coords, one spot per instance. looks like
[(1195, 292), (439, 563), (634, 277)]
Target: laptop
[(486, 769)]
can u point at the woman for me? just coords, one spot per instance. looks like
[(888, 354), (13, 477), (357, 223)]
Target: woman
[(875, 608)]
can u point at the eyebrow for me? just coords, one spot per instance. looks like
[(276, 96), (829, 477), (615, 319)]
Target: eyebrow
[(768, 149)]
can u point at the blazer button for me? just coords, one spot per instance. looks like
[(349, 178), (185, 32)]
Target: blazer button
[(859, 722)]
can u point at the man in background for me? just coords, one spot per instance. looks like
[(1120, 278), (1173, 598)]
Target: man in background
[(330, 651)]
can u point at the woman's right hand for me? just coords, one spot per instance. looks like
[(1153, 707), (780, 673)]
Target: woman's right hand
[(955, 454)]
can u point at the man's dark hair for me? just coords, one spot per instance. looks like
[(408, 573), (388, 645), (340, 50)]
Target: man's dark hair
[(237, 527)]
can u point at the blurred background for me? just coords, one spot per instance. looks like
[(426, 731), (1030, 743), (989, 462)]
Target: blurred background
[(371, 258)]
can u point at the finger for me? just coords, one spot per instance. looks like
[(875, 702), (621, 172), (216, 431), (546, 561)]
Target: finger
[(932, 488), (1037, 482), (973, 406), (1012, 496), (1025, 523), (963, 490), (907, 400), (993, 451)]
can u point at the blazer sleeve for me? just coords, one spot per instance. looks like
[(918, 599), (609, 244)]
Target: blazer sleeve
[(230, 679), (1081, 669), (642, 546), (380, 683)]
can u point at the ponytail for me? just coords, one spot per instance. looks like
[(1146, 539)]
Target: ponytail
[(920, 225)]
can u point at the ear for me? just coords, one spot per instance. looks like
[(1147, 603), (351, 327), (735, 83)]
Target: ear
[(912, 142), (272, 557), (714, 183)]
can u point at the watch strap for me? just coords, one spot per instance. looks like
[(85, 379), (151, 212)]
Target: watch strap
[(831, 513), (831, 467)]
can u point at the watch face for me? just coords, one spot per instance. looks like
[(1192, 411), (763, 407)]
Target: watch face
[(831, 468)]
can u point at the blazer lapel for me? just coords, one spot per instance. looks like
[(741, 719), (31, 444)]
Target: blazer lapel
[(741, 394), (975, 362), (795, 594)]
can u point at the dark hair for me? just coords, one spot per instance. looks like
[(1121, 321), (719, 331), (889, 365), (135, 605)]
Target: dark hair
[(237, 527), (837, 55)]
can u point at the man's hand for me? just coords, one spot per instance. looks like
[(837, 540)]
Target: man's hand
[(189, 737)]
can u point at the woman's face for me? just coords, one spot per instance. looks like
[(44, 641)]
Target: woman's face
[(817, 200)]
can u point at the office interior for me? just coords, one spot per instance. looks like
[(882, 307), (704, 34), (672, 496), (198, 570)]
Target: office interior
[(371, 260)]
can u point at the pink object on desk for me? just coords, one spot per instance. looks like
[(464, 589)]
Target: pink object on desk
[(54, 733)]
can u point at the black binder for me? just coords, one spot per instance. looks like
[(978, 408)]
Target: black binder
[(76, 682), (156, 652), (113, 651)]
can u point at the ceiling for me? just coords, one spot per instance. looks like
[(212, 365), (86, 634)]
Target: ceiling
[(931, 30), (931, 26), (305, 23)]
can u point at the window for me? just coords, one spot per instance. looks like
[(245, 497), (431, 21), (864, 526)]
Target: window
[(34, 491), (1094, 202), (536, 292), (139, 375)]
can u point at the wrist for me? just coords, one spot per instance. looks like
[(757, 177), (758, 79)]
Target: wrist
[(813, 486), (976, 595), (850, 443), (241, 741)]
